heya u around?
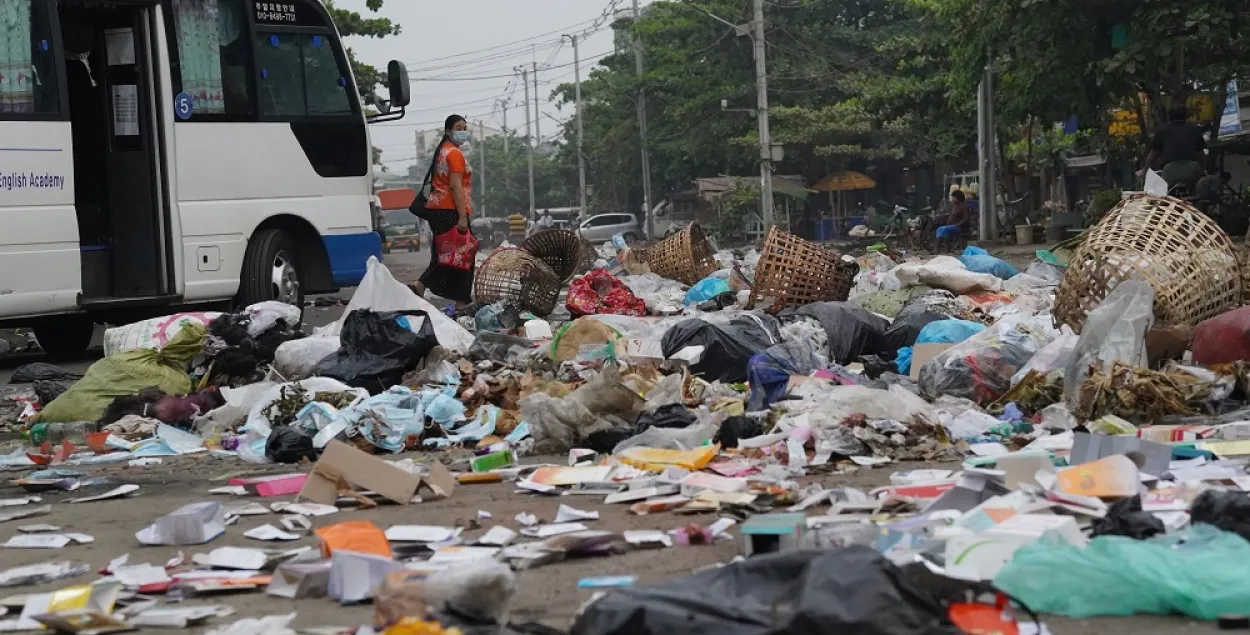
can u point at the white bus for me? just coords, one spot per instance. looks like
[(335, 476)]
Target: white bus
[(159, 154)]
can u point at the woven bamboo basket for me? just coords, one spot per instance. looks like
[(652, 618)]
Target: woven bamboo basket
[(1178, 250), (1243, 258), (563, 250), (519, 278), (686, 256), (794, 272)]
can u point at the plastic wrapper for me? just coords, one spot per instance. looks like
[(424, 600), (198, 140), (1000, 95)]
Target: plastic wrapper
[(1199, 573), (769, 371), (499, 347), (851, 591), (1055, 356), (945, 272), (659, 293), (1051, 273), (1223, 339), (126, 374), (598, 292), (602, 403), (981, 367), (680, 439), (380, 291), (296, 359), (828, 406), (727, 348), (874, 275), (378, 348), (1115, 331), (263, 316), (852, 331)]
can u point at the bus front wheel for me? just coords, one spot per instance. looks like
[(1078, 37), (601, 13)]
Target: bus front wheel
[(271, 270)]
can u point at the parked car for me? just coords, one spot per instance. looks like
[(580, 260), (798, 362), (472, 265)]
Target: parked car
[(601, 228)]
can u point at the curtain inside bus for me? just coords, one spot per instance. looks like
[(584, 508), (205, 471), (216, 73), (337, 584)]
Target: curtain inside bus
[(202, 26), (17, 90)]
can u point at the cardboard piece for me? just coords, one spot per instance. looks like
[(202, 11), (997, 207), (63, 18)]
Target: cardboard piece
[(342, 464), (982, 555), (922, 353), (1112, 477), (1150, 457), (193, 524)]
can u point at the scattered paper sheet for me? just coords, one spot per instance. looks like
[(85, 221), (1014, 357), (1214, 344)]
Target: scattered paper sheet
[(38, 541), (527, 519), (36, 529), (305, 509), (421, 533), (117, 492), (568, 514), (137, 575), (25, 512), (296, 523), (546, 531), (229, 490), (24, 500), (238, 558), (193, 524), (269, 532), (498, 536)]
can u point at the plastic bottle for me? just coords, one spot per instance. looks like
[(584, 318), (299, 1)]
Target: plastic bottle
[(76, 432)]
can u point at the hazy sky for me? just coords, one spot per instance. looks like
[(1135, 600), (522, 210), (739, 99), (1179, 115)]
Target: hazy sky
[(487, 39)]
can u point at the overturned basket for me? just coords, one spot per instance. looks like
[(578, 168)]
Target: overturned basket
[(686, 256), (563, 250), (1243, 259), (519, 278), (1178, 250), (794, 272)]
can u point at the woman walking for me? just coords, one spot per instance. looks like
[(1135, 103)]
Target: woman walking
[(448, 207)]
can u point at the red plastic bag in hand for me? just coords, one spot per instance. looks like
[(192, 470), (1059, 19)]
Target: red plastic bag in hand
[(456, 249), (599, 293)]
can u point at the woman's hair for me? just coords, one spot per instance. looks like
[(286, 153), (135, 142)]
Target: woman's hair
[(451, 122), (959, 195)]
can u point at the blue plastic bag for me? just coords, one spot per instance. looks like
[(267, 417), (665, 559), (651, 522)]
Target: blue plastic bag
[(1200, 573), (769, 371), (706, 289), (979, 260), (940, 332)]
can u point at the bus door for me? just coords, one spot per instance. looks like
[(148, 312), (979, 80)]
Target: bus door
[(111, 87)]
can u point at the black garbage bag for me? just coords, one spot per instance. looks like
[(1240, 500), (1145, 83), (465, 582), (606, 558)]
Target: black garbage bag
[(719, 302), (735, 428), (906, 326), (1227, 510), (727, 348), (46, 391), (39, 371), (670, 416), (288, 445), (852, 330), (497, 346), (1126, 518), (852, 591), (875, 366), (378, 348)]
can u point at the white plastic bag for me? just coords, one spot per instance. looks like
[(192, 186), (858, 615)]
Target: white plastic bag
[(153, 333), (263, 315), (1115, 331), (1155, 185), (1054, 356), (296, 359), (380, 291)]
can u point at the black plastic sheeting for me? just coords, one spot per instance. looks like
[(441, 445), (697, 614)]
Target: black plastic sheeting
[(40, 371), (289, 445), (727, 348), (852, 591), (378, 348), (906, 326), (1126, 518), (853, 331), (1229, 511)]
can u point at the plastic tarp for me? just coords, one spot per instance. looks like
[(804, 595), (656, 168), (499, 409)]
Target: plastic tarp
[(981, 367), (125, 374), (378, 348), (938, 332), (852, 330), (852, 591), (727, 348), (979, 260), (769, 371), (1115, 331), (380, 291), (1200, 573)]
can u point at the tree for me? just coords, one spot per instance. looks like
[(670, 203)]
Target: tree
[(507, 188), (368, 77)]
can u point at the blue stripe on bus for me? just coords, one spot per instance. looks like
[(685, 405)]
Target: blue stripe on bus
[(349, 253)]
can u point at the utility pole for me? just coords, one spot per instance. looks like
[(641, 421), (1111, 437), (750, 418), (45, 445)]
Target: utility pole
[(481, 135), (761, 96), (528, 129), (581, 158), (987, 153), (538, 127), (642, 131), (503, 104)]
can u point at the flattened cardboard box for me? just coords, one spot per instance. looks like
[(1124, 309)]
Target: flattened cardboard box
[(342, 462)]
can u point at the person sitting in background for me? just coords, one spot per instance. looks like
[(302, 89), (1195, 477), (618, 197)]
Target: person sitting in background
[(1178, 148), (957, 223), (545, 221)]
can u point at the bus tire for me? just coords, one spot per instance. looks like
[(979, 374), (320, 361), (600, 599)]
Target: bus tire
[(65, 337), (271, 270)]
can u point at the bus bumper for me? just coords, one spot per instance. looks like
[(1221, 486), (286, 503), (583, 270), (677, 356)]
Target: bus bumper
[(349, 253)]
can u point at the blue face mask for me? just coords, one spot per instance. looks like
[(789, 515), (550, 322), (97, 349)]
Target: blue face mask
[(460, 136)]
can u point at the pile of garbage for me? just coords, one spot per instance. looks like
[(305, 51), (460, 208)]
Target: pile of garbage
[(1015, 458)]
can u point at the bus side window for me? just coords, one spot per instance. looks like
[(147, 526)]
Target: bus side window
[(281, 75), (28, 77), (212, 59), (326, 84)]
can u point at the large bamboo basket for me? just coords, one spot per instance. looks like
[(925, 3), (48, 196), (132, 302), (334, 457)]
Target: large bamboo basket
[(793, 272), (686, 256), (517, 277), (563, 250)]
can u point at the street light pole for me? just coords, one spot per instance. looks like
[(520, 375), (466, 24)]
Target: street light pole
[(761, 96), (642, 131), (581, 158), (529, 139)]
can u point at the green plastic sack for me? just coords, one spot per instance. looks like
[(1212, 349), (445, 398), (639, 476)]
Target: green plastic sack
[(126, 374), (1200, 573)]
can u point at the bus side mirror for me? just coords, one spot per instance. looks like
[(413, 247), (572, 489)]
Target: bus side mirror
[(400, 93), (397, 84)]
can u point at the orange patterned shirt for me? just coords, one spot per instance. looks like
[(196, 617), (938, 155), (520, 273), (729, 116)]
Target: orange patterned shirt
[(450, 160)]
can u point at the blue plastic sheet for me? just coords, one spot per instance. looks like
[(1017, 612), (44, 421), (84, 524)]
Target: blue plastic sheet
[(940, 332), (769, 371), (1200, 573), (979, 260), (706, 289)]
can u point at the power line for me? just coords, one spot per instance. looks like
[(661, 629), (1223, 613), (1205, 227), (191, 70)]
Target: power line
[(470, 79)]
